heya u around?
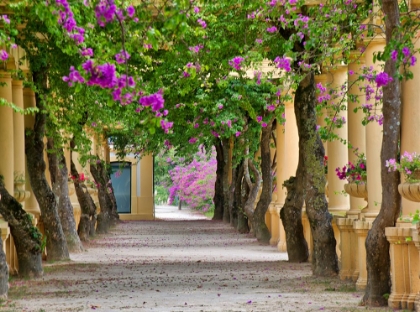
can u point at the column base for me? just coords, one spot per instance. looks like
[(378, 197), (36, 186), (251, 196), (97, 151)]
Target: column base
[(137, 217), (394, 301), (361, 283)]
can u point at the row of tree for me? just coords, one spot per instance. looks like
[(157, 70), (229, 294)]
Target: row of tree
[(182, 74)]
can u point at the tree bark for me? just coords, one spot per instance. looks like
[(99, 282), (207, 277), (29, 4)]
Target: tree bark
[(311, 154), (108, 216), (26, 236), (59, 181), (240, 199), (291, 215), (4, 274), (87, 205), (34, 148), (253, 190), (218, 185), (377, 246), (260, 228), (225, 180), (233, 207)]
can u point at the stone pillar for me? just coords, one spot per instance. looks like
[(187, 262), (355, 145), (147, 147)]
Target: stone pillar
[(373, 142), (410, 126), (281, 195), (324, 79), (356, 131), (6, 133), (413, 256), (31, 204), (345, 225), (291, 144), (19, 142), (361, 228), (145, 200), (398, 251), (338, 154)]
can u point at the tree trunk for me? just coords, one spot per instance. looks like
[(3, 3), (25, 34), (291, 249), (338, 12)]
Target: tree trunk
[(240, 199), (311, 154), (233, 206), (59, 181), (377, 246), (218, 185), (291, 215), (108, 216), (4, 273), (225, 180), (87, 205), (34, 148), (26, 236), (261, 230), (253, 190)]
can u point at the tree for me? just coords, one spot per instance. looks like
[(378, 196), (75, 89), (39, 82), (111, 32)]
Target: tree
[(377, 246), (26, 236)]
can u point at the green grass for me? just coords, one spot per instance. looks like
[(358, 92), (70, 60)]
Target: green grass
[(209, 213)]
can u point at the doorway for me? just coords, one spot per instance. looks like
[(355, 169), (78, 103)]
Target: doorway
[(121, 181)]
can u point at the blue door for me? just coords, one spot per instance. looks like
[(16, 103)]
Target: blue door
[(121, 181)]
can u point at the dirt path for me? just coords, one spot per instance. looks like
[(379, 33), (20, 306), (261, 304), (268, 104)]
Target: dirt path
[(186, 264)]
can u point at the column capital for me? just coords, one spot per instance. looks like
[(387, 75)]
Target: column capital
[(378, 39), (398, 235), (17, 83)]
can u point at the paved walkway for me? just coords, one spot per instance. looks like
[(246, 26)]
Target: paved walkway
[(180, 262), (170, 213)]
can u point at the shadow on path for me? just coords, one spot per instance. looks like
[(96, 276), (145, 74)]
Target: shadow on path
[(188, 264)]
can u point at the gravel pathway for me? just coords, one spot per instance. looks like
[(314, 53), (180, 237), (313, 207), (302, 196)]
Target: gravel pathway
[(180, 262)]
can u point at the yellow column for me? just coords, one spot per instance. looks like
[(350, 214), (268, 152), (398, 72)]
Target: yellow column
[(356, 137), (410, 126), (6, 133), (356, 131), (31, 205), (18, 127), (361, 228), (145, 199), (291, 142), (338, 154), (373, 142), (281, 194)]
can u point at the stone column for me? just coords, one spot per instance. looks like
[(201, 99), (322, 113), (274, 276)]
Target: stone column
[(373, 142), (324, 80), (345, 226), (145, 199), (410, 125), (19, 141), (356, 131), (362, 228), (6, 133), (31, 204), (338, 154), (281, 195), (398, 251)]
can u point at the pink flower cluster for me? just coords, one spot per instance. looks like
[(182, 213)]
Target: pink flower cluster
[(66, 18), (236, 62), (194, 182), (283, 63)]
